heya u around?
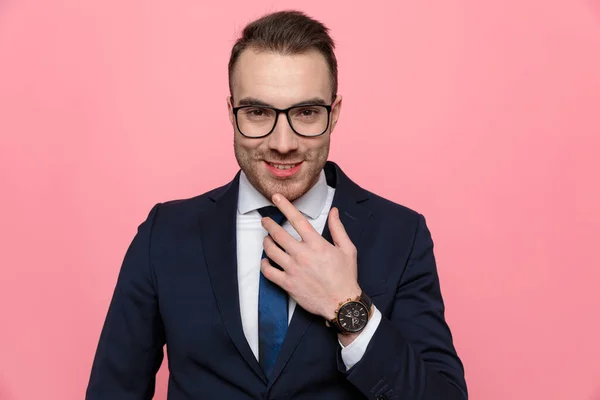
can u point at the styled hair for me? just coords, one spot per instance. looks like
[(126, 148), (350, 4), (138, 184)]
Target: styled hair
[(287, 33)]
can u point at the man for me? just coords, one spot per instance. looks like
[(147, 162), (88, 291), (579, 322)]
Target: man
[(290, 282)]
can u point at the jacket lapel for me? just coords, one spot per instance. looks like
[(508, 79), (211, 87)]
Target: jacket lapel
[(354, 216), (218, 225)]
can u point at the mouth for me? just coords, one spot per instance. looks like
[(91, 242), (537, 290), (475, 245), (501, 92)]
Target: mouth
[(283, 170), (282, 166)]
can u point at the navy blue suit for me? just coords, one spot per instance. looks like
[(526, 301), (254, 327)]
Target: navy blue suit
[(178, 286)]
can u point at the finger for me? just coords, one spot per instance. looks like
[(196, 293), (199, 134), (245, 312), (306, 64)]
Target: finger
[(273, 274), (338, 232), (280, 235), (276, 254), (295, 217)]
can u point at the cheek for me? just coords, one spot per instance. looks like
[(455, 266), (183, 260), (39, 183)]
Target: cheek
[(318, 145), (247, 145)]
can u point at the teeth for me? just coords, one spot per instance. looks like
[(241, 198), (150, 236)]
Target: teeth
[(279, 166)]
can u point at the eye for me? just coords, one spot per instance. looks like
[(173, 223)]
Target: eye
[(307, 113), (256, 113)]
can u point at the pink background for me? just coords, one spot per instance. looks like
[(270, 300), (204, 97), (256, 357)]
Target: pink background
[(483, 115)]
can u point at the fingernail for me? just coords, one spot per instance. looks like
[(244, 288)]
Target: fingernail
[(276, 198)]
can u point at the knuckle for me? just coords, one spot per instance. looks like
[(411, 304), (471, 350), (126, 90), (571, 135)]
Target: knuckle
[(290, 265), (268, 242), (303, 258), (288, 285), (352, 250), (320, 246), (304, 224)]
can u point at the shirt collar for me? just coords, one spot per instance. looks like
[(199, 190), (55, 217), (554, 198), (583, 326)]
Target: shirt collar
[(311, 203)]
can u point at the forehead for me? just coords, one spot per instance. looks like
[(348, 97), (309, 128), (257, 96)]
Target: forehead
[(280, 79)]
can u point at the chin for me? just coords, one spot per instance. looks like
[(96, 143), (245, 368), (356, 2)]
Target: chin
[(291, 189), (288, 189)]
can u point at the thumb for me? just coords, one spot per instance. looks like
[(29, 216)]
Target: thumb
[(337, 230)]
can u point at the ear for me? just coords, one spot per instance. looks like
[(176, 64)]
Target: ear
[(230, 110), (336, 109)]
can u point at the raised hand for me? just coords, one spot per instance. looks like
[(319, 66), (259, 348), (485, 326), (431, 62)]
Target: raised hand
[(317, 274)]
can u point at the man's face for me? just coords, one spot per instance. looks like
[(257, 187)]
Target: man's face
[(282, 81)]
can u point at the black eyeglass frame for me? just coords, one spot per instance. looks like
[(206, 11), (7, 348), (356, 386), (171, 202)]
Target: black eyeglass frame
[(285, 111)]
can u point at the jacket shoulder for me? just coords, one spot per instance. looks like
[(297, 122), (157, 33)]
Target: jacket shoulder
[(183, 210), (388, 209)]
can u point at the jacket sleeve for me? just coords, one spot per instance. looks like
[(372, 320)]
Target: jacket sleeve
[(130, 349), (411, 355)]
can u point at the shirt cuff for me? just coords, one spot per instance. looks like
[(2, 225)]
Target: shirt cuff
[(352, 353)]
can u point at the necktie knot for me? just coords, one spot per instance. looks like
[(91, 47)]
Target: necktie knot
[(272, 212)]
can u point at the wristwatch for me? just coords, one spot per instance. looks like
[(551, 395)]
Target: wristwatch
[(352, 315)]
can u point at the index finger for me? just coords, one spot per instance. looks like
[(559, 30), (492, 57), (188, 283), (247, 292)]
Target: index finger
[(295, 217)]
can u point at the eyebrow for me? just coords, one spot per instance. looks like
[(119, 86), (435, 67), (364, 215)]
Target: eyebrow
[(251, 101)]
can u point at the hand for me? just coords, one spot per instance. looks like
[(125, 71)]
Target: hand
[(317, 274)]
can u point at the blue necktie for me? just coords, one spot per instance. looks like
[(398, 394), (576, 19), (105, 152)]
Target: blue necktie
[(272, 309)]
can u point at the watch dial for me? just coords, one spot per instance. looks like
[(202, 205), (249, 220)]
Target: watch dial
[(353, 316)]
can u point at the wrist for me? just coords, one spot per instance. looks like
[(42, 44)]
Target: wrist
[(352, 315), (346, 340)]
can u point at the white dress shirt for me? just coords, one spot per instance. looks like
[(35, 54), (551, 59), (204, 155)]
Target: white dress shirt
[(315, 205)]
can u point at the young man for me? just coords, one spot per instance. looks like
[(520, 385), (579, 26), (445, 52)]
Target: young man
[(289, 282)]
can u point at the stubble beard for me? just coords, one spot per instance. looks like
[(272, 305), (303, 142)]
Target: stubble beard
[(250, 161)]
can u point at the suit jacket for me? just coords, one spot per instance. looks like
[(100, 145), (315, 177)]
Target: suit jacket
[(178, 286)]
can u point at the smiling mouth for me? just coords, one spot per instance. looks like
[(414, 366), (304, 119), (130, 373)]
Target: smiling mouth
[(282, 166)]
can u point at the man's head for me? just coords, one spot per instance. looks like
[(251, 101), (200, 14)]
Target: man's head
[(283, 60)]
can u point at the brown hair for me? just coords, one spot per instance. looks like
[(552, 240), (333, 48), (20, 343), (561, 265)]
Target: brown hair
[(287, 32)]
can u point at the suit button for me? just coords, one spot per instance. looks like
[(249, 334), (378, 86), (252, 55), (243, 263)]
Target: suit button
[(381, 397)]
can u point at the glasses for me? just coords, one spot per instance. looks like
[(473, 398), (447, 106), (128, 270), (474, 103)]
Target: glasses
[(257, 121)]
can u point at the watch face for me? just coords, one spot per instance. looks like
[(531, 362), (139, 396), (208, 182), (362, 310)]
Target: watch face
[(353, 316)]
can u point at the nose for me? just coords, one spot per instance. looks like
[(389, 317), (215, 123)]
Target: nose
[(283, 139)]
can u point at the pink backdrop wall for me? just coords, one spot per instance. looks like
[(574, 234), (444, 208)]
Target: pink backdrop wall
[(484, 116)]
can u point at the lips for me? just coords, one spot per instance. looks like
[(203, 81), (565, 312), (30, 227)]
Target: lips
[(281, 170)]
